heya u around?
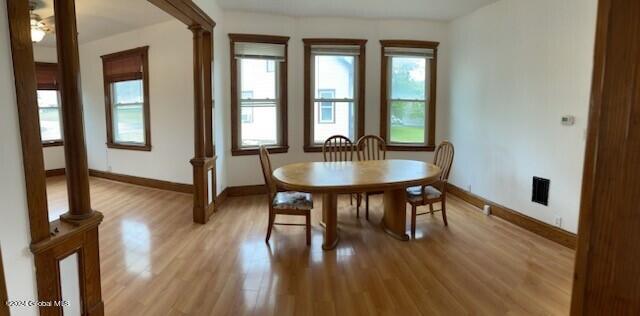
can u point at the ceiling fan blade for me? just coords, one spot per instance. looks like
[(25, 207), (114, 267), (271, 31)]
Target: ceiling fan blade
[(50, 23)]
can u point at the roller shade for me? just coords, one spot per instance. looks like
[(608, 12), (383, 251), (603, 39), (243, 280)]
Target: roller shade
[(47, 76), (351, 50), (415, 52), (123, 66), (267, 51)]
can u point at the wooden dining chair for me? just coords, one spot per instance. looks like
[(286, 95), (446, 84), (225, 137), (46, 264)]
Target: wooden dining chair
[(435, 192), (284, 202), (371, 147), (340, 148)]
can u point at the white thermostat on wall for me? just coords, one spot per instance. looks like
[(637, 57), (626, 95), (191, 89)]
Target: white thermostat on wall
[(568, 120)]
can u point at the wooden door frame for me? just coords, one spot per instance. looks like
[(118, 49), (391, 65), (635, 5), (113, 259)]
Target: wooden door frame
[(204, 160), (606, 271)]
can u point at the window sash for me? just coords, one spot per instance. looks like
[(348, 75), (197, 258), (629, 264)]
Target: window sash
[(114, 117), (59, 110), (334, 51), (251, 103), (424, 100)]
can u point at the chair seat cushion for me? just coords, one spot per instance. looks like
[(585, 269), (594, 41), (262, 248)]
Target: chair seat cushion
[(414, 194), (293, 201)]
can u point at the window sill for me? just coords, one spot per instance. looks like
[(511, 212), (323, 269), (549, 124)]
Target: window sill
[(313, 149), (256, 151), (392, 147), (52, 143), (129, 147)]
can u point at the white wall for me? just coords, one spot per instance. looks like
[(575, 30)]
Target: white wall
[(245, 170), (518, 66), (53, 156), (171, 103), (14, 226)]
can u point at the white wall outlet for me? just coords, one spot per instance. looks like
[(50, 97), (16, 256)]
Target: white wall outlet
[(559, 222), (109, 168), (468, 187), (486, 209)]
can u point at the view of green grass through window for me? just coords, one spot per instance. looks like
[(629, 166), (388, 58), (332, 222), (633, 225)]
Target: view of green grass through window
[(128, 113), (407, 108)]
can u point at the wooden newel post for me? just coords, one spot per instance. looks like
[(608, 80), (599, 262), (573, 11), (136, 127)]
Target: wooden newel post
[(77, 171), (203, 161)]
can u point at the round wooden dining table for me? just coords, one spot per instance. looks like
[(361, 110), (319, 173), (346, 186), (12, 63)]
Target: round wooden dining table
[(333, 178)]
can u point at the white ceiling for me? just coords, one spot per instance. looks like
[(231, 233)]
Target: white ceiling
[(443, 10), (101, 18)]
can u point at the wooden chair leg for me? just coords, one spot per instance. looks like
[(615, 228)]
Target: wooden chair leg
[(350, 199), (413, 221), (308, 216), (358, 205), (270, 226), (366, 196), (431, 208), (444, 211)]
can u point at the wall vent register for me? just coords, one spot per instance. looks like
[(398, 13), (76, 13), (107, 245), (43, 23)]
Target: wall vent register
[(540, 192)]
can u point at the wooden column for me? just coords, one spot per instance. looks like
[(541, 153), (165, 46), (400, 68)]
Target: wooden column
[(77, 171), (606, 278), (207, 45), (203, 159)]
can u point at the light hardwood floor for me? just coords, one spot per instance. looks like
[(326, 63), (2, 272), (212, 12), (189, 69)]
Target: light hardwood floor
[(155, 261)]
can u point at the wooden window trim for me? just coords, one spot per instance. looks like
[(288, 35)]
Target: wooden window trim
[(384, 110), (144, 51), (308, 98), (54, 86), (283, 147)]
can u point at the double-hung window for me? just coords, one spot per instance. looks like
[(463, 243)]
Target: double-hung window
[(334, 100), (49, 104), (259, 93), (126, 87), (408, 94)]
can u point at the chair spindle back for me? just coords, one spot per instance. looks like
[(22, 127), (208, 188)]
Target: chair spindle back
[(371, 147), (267, 172), (443, 158), (337, 148)]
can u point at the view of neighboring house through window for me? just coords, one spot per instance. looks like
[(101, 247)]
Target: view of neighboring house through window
[(258, 72), (408, 88), (258, 102), (126, 77), (327, 110), (334, 76), (48, 98)]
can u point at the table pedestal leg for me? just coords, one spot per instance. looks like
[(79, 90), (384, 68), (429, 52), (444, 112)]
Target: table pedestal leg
[(394, 221), (330, 219)]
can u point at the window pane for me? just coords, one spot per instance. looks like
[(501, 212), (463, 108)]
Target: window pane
[(129, 123), (256, 81), (258, 124), (407, 122), (343, 122), (49, 115), (128, 92), (408, 78), (335, 73)]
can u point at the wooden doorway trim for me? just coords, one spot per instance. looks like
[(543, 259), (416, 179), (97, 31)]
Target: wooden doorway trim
[(606, 272), (204, 160)]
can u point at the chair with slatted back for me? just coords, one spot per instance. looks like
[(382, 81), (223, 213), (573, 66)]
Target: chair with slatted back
[(284, 203), (340, 148), (433, 193), (371, 147)]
